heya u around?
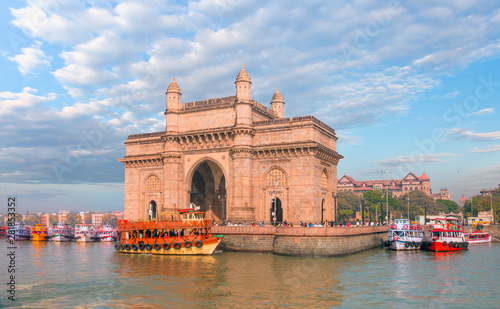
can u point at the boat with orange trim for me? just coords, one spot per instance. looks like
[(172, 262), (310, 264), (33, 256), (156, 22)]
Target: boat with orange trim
[(39, 233), (447, 235), (185, 232)]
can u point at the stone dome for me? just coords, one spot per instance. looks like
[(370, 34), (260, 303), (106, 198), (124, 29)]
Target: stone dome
[(173, 87), (277, 97), (243, 76)]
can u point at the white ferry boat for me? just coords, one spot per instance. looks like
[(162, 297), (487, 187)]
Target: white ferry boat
[(404, 236), (62, 232), (106, 233), (85, 232), (477, 237)]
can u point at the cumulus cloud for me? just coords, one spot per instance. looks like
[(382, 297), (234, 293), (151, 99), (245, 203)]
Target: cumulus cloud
[(31, 58)]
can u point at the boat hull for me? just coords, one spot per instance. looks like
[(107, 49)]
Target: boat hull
[(479, 241), (401, 245), (207, 248), (438, 246), (84, 238), (39, 237), (61, 238)]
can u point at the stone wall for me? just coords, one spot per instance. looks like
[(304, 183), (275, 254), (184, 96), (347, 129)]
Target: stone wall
[(301, 241), (494, 231)]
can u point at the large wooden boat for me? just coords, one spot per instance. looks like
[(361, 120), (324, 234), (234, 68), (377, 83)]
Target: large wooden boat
[(447, 235), (39, 233), (405, 236), (184, 232)]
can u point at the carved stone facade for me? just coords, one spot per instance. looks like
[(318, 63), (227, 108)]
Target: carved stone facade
[(233, 157)]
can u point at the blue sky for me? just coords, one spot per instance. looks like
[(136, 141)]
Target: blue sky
[(408, 87)]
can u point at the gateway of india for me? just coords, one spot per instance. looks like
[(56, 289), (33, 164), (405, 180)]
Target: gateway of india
[(235, 159)]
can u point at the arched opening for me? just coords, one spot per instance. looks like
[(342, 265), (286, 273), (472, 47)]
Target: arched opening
[(208, 191), (152, 213), (276, 211)]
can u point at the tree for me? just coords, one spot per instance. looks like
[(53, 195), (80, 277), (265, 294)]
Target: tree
[(420, 204), (447, 206), (110, 219), (348, 200), (345, 214), (73, 218)]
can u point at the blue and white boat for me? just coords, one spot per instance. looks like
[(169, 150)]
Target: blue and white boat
[(405, 236)]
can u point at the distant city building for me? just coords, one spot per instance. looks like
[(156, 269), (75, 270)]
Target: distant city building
[(483, 218), (396, 187), (118, 214), (62, 216), (45, 220), (97, 220), (443, 195)]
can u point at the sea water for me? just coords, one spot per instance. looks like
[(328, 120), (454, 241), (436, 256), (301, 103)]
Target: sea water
[(94, 275)]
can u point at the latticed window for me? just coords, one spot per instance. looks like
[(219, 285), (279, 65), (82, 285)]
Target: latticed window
[(152, 184), (275, 175), (323, 180)]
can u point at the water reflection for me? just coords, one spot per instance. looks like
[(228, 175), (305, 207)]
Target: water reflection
[(93, 274)]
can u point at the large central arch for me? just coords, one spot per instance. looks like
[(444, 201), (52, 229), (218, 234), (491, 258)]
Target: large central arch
[(208, 190)]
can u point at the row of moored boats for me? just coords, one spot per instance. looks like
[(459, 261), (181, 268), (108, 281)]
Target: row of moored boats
[(63, 232), (445, 234)]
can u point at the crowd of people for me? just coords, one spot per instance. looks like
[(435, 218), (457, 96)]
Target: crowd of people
[(285, 223)]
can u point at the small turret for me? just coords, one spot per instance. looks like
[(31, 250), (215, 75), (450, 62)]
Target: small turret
[(173, 107), (173, 96), (243, 84), (278, 104)]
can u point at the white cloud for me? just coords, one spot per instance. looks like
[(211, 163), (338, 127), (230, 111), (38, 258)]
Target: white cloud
[(491, 148), (484, 111), (31, 58), (464, 134), (415, 159)]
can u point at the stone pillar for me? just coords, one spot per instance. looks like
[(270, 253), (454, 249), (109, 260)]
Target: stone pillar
[(240, 206)]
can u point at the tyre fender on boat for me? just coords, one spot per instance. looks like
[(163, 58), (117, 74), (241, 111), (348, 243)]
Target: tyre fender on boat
[(166, 247), (127, 247), (149, 247), (141, 246), (177, 246), (407, 244), (198, 244), (445, 243), (188, 244), (134, 247), (157, 247), (117, 246)]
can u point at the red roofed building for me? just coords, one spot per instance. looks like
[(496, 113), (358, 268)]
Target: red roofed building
[(462, 201), (396, 187)]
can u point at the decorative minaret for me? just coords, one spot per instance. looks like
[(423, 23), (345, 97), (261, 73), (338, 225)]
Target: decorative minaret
[(173, 107), (243, 98), (241, 153), (278, 104)]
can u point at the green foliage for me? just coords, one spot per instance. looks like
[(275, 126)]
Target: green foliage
[(419, 204), (109, 219), (447, 206), (348, 200), (345, 214)]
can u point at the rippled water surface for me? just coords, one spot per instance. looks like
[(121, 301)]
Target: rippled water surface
[(69, 275)]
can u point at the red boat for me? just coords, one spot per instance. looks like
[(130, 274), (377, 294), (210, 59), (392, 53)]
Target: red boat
[(447, 235), (477, 237), (183, 232)]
